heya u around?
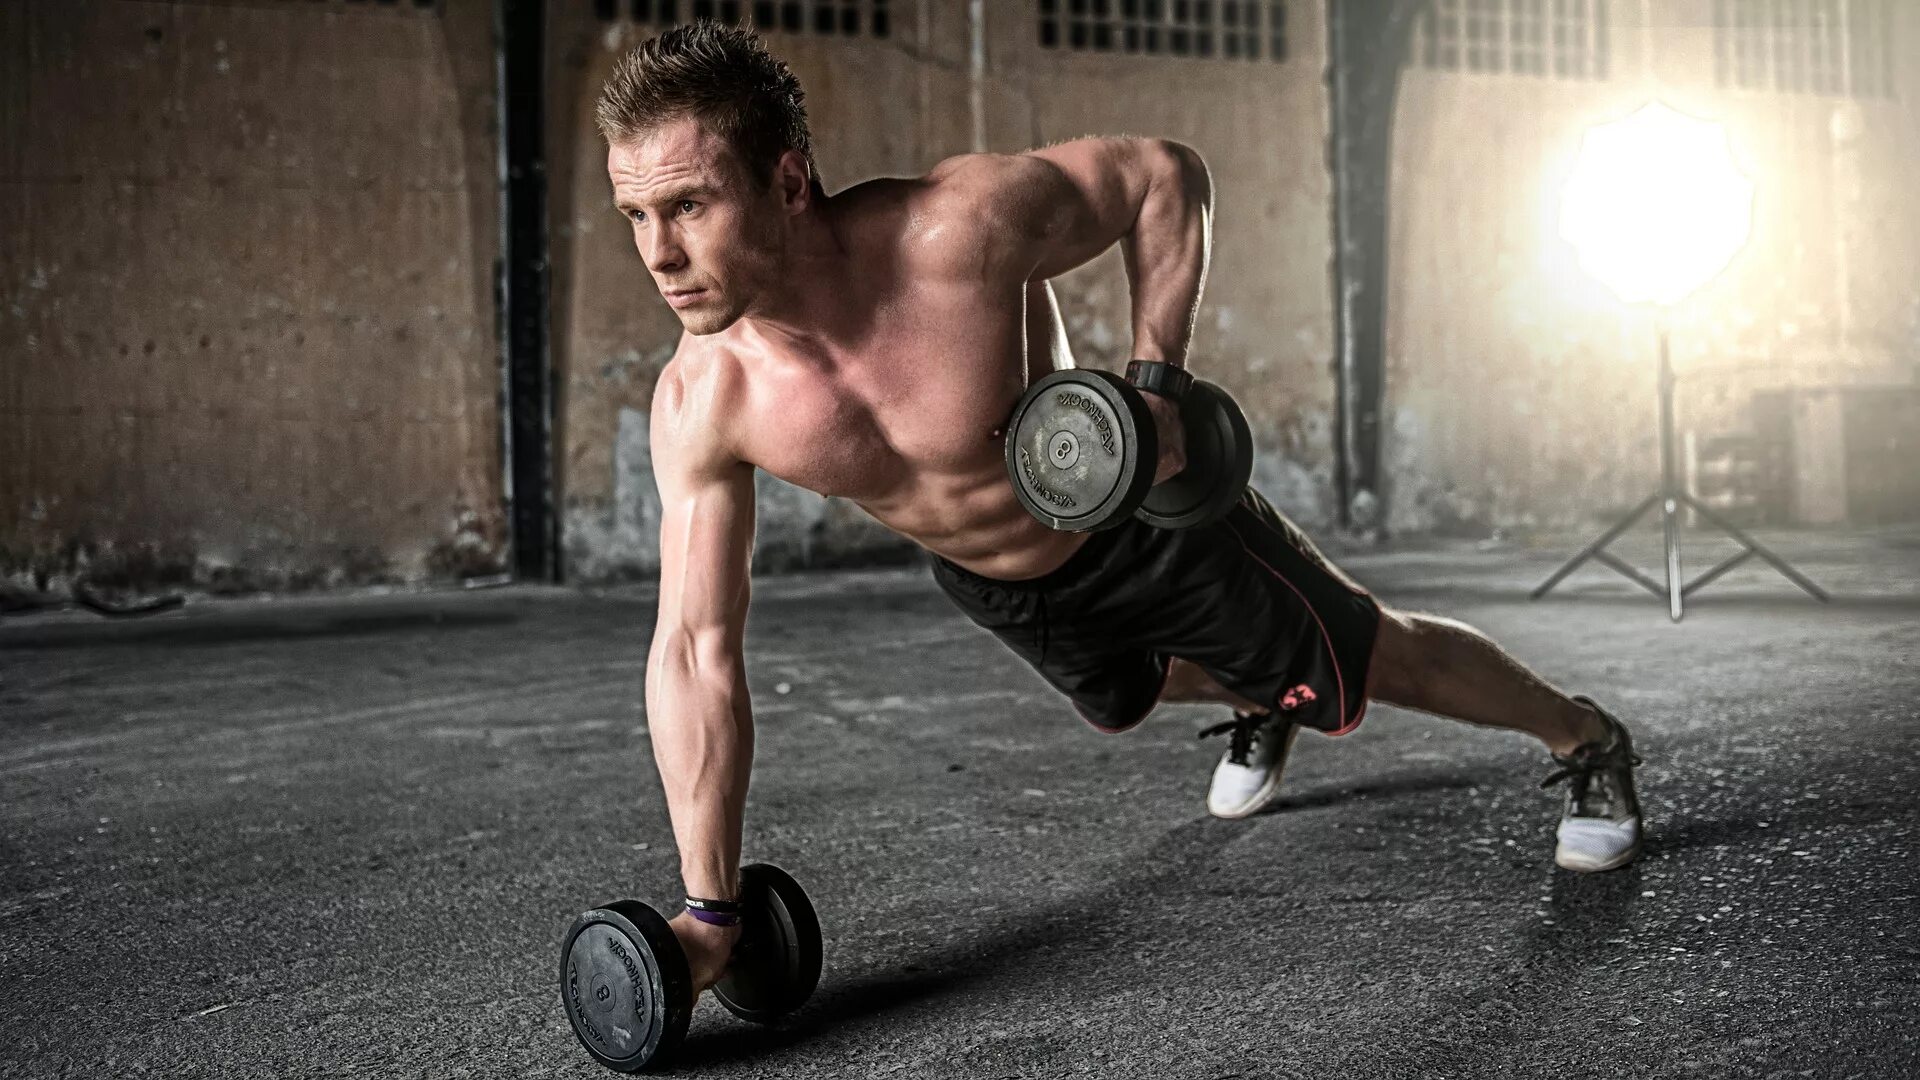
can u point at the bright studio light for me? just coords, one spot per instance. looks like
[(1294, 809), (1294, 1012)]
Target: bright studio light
[(1656, 206)]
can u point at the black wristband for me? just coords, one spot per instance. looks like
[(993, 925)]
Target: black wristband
[(715, 907), (1159, 377)]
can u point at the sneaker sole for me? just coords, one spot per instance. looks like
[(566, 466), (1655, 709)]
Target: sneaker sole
[(1583, 867), (1267, 790)]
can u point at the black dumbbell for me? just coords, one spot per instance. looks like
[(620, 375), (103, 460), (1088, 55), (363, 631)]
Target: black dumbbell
[(626, 987), (1081, 450)]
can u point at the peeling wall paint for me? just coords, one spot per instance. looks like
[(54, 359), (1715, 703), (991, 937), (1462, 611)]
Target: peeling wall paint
[(611, 537), (246, 314)]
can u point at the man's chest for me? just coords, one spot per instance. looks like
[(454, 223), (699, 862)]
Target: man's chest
[(925, 391)]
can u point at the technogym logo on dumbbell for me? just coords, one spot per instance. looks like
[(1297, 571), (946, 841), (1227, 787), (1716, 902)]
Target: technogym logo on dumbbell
[(633, 971), (1094, 413), (1040, 489), (573, 992)]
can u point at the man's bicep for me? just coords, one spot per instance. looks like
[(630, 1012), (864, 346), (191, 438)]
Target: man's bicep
[(706, 546)]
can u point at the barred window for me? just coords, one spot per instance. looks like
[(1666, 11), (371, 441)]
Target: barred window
[(1833, 47), (425, 7), (843, 18), (1565, 39), (1527, 37), (1226, 29)]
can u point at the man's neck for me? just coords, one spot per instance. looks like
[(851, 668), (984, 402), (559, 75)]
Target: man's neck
[(815, 312)]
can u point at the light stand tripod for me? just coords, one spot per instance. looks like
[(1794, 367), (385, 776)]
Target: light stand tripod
[(1671, 496)]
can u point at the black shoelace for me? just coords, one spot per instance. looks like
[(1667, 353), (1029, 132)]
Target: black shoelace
[(1588, 763), (1240, 731)]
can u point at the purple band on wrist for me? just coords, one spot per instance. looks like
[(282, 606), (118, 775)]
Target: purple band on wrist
[(714, 918)]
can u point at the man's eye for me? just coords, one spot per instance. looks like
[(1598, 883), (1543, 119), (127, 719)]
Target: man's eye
[(686, 206), (637, 215)]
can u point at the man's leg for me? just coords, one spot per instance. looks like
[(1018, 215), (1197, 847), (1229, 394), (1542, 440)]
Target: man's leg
[(1448, 668), (1189, 683), (1441, 666), (1444, 667)]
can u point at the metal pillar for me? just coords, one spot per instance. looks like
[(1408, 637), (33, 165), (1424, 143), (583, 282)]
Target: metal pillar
[(521, 285), (1366, 51)]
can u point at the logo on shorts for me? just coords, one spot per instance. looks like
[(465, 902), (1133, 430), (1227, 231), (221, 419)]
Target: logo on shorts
[(1298, 696)]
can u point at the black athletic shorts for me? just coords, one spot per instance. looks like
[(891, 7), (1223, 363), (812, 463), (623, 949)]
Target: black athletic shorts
[(1249, 599)]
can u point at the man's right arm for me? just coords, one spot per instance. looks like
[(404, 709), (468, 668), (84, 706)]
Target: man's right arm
[(697, 705)]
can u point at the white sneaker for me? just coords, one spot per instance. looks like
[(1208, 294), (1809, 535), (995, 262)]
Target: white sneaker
[(1600, 828), (1248, 776)]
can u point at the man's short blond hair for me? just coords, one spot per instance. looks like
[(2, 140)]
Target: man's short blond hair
[(721, 76)]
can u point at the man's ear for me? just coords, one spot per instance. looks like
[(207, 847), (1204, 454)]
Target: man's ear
[(791, 180)]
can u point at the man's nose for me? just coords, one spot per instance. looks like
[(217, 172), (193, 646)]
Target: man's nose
[(662, 252)]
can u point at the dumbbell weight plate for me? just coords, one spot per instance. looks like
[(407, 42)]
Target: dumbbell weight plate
[(1080, 449), (1219, 463), (625, 985), (776, 965)]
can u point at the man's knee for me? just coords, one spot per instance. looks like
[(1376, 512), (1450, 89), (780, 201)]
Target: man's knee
[(1189, 682)]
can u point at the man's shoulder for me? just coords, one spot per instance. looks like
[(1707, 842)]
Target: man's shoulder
[(698, 392), (703, 368), (989, 188), (969, 174), (954, 185), (962, 209)]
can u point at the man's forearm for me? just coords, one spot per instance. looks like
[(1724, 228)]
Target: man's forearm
[(1167, 252), (702, 732)]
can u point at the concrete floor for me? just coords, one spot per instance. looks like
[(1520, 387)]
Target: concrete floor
[(320, 837)]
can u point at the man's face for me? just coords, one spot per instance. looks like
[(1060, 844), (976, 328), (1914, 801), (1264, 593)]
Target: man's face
[(712, 240)]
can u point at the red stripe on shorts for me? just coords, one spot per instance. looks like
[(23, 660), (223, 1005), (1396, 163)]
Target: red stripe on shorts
[(1340, 678)]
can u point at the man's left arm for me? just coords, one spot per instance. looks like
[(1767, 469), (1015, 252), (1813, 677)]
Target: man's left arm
[(1073, 200), (1060, 206)]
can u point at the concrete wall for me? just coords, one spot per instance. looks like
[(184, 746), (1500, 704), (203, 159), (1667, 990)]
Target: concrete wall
[(1522, 393), (896, 107), (246, 316)]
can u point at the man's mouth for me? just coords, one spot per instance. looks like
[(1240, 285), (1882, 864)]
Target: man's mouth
[(682, 297)]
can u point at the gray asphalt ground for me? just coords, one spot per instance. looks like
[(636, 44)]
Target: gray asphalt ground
[(343, 836)]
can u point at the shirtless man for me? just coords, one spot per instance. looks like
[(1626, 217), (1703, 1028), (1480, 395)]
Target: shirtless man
[(870, 344)]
